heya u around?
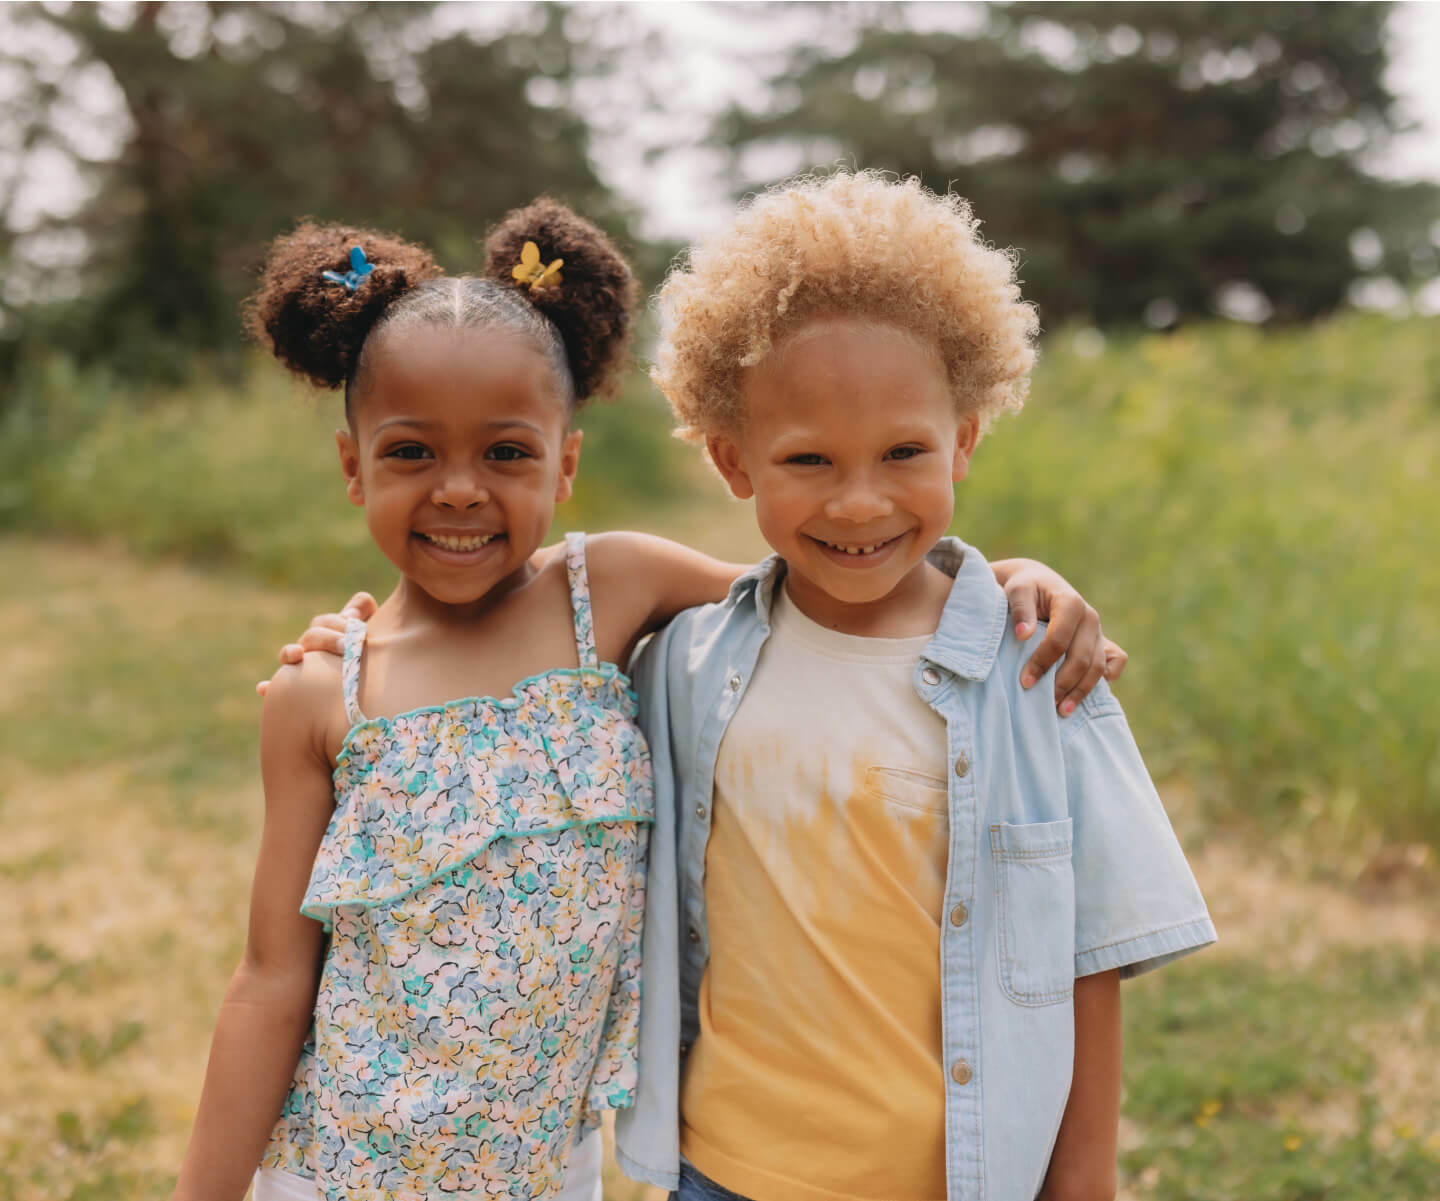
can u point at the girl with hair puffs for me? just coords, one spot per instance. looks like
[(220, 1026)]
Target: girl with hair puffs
[(441, 985)]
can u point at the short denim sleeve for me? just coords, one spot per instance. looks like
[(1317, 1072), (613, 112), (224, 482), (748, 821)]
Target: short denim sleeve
[(1137, 905)]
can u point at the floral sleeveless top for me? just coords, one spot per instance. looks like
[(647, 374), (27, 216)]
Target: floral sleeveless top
[(482, 880)]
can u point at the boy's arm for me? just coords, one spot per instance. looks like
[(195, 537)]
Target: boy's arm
[(271, 999), (1082, 1166)]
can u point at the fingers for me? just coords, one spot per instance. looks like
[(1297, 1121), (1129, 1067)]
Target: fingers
[(263, 687), (326, 639), (1066, 615), (1022, 607), (1115, 660), (361, 605), (1083, 667)]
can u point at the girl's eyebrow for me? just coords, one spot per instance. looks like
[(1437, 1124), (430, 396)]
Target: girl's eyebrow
[(427, 423)]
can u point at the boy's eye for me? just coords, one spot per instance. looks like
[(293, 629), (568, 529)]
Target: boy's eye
[(806, 460), (508, 452), (409, 451), (906, 452)]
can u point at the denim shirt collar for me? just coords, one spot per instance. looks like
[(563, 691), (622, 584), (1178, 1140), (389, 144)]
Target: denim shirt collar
[(971, 627)]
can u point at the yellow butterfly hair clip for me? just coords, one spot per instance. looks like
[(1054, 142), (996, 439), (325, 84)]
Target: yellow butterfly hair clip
[(530, 270)]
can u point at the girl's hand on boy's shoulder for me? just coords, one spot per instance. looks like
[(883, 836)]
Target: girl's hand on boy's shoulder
[(1037, 592), (326, 633)]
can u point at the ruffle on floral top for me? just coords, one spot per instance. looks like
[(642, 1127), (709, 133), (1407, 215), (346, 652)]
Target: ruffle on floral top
[(482, 880)]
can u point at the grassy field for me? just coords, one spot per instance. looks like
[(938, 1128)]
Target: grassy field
[(1292, 1063), (1253, 516)]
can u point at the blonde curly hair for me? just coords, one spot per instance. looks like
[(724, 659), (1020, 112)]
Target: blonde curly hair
[(848, 244)]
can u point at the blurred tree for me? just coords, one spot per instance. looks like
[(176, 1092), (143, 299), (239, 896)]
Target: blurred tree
[(243, 117), (1150, 160)]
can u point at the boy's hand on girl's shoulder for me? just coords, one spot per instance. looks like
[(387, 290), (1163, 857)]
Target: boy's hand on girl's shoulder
[(1037, 592), (326, 633)]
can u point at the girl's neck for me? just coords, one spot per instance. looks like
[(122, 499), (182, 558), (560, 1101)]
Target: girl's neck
[(409, 605)]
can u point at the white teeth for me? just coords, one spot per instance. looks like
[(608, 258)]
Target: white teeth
[(855, 550), (449, 543)]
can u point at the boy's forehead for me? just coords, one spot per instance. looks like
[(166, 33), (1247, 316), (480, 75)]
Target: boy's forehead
[(846, 369)]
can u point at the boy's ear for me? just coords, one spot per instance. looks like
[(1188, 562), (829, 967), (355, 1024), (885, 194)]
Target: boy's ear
[(350, 465), (569, 465), (725, 454), (967, 437)]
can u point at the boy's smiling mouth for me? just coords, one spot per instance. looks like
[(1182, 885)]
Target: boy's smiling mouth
[(857, 552)]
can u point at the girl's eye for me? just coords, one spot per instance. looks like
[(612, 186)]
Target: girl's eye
[(905, 452), (508, 452), (408, 450)]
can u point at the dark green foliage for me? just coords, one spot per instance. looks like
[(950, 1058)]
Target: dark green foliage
[(258, 114), (1134, 152)]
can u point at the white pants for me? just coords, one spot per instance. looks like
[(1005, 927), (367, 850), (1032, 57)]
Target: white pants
[(582, 1177)]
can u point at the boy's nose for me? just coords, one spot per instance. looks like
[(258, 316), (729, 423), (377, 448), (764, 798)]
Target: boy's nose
[(858, 501)]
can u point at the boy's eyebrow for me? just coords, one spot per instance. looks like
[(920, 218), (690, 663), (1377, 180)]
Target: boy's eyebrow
[(428, 423)]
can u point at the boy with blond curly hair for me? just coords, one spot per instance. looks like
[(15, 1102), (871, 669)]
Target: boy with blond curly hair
[(905, 889)]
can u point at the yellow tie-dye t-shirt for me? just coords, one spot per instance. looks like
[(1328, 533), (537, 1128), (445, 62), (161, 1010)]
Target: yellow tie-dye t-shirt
[(817, 1074)]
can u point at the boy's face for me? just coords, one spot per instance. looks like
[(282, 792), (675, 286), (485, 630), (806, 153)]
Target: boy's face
[(851, 446)]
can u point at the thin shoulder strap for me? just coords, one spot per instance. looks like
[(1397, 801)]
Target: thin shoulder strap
[(580, 600), (350, 670)]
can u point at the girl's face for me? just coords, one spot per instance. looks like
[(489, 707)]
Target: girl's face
[(459, 451)]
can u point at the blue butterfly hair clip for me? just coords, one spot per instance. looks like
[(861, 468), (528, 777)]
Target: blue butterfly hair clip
[(353, 278)]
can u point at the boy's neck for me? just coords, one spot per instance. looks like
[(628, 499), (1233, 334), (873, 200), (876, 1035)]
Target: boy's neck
[(909, 610)]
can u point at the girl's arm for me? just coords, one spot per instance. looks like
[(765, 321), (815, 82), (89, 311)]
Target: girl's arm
[(665, 577), (1082, 1166), (271, 999), (1035, 590)]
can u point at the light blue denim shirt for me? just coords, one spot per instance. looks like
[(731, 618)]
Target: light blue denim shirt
[(1062, 863)]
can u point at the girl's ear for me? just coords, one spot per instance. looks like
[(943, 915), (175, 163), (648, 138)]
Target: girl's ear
[(724, 452), (569, 465), (967, 437), (350, 465)]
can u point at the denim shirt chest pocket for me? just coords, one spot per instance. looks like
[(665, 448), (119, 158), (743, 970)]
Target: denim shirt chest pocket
[(1035, 902)]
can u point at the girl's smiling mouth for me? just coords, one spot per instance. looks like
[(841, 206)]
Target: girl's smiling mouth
[(456, 546)]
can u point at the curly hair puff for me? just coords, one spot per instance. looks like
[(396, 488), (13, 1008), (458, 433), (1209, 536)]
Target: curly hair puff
[(324, 332), (318, 328), (593, 308), (849, 244)]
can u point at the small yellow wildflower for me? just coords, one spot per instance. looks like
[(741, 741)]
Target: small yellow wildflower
[(1405, 1130), (1292, 1142), (1212, 1107)]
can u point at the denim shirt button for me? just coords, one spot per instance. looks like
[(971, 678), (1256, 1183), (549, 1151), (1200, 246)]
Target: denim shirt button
[(694, 934), (962, 765), (960, 1073), (930, 676), (700, 812), (733, 683), (959, 915)]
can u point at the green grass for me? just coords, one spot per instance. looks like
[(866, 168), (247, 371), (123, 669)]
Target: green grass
[(1250, 1080)]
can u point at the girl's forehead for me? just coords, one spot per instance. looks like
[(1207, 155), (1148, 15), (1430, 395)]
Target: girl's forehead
[(456, 372)]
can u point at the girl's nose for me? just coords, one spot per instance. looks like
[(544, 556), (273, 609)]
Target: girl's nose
[(460, 490)]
